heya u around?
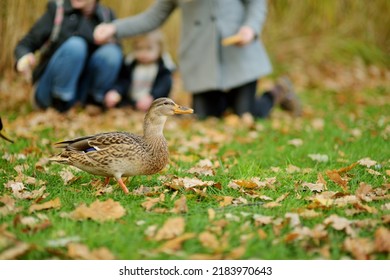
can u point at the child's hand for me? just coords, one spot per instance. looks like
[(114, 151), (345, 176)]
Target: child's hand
[(112, 98), (144, 103), (25, 65)]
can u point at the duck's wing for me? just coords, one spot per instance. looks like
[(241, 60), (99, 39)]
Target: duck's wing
[(99, 141)]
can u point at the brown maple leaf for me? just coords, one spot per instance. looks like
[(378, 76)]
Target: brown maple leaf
[(172, 228), (382, 240), (19, 249), (209, 241), (360, 248), (180, 205), (80, 251), (54, 203), (175, 244), (100, 211), (334, 175)]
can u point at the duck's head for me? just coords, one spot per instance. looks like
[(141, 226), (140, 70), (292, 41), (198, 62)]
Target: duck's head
[(166, 107)]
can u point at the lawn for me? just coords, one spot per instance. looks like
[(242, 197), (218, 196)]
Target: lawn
[(315, 187)]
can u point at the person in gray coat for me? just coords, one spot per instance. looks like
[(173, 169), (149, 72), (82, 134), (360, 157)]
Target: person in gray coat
[(220, 74)]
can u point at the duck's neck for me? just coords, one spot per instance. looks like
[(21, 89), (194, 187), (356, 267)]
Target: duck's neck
[(154, 137), (154, 126)]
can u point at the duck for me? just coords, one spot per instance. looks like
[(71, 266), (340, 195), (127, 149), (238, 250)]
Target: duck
[(122, 154), (2, 134)]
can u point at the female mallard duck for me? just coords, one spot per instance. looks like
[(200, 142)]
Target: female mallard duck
[(2, 135), (122, 154)]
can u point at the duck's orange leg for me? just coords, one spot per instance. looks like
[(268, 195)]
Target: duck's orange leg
[(107, 181), (123, 186)]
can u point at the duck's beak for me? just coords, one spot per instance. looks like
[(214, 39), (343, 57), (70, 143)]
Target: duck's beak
[(180, 110)]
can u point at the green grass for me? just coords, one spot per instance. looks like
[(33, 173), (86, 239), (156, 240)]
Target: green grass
[(265, 147)]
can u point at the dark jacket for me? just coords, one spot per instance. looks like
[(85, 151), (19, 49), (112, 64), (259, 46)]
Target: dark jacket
[(73, 24), (161, 87)]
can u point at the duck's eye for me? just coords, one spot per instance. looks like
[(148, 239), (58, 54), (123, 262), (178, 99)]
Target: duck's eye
[(167, 103)]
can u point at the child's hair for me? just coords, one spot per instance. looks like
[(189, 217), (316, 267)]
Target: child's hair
[(155, 36)]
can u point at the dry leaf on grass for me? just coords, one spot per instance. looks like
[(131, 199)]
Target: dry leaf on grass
[(176, 243), (188, 183), (295, 142), (314, 187), (319, 157), (236, 253), (316, 234), (335, 177), (360, 248), (364, 192), (209, 241), (272, 204), (203, 167), (382, 240), (306, 213), (55, 203), (211, 214), (68, 177), (100, 211), (225, 201), (9, 206), (180, 206), (18, 250), (293, 219), (19, 191), (292, 169), (152, 201), (262, 220), (367, 162), (340, 223), (246, 184), (81, 252), (172, 228)]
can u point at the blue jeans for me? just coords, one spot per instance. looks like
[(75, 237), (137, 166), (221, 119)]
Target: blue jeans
[(72, 73)]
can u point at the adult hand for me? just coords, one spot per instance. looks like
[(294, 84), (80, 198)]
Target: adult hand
[(112, 98), (144, 103), (25, 65), (247, 34), (104, 33)]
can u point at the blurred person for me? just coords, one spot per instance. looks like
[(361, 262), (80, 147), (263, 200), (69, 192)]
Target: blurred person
[(71, 65), (146, 74), (219, 76)]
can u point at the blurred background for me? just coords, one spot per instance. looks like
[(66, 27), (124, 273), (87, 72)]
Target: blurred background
[(335, 44)]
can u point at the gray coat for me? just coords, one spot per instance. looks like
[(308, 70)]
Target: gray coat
[(204, 63)]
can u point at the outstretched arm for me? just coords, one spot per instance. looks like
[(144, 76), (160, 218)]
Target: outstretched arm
[(144, 22)]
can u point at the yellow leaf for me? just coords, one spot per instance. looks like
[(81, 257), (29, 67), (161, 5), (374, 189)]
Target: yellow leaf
[(226, 200), (272, 204), (55, 203)]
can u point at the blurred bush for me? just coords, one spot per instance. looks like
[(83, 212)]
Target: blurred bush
[(307, 30)]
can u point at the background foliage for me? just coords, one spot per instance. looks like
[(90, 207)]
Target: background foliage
[(310, 30)]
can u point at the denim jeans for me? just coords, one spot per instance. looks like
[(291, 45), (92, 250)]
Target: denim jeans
[(72, 73), (242, 100)]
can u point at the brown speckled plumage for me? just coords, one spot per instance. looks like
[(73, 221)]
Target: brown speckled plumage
[(122, 154)]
